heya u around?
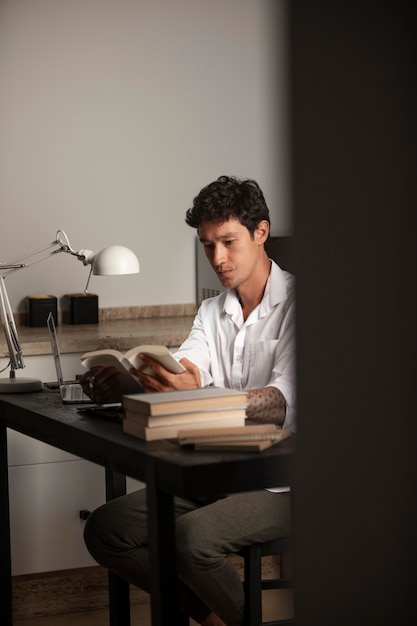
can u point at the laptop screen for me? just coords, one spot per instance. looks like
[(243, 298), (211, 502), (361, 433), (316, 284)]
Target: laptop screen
[(55, 350)]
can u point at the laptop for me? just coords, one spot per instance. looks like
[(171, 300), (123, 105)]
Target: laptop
[(71, 392)]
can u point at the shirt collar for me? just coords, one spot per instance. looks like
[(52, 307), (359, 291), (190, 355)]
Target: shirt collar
[(275, 292)]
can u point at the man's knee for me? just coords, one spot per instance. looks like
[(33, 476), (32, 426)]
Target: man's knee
[(192, 545), (94, 531)]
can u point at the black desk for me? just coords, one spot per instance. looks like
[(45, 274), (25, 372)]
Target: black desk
[(167, 469)]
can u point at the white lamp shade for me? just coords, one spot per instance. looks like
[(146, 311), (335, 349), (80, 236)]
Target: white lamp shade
[(115, 260)]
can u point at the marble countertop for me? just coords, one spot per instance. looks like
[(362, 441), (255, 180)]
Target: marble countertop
[(119, 333)]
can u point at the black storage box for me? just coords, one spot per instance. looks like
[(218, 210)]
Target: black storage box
[(38, 309), (80, 308)]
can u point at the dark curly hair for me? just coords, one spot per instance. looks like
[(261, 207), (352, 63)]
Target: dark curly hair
[(229, 198)]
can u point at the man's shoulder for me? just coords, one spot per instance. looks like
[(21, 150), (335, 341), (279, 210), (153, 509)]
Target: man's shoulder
[(278, 270), (282, 283)]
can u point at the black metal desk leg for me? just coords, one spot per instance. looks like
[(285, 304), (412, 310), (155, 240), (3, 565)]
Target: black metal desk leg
[(161, 525), (5, 556), (119, 599), (115, 484)]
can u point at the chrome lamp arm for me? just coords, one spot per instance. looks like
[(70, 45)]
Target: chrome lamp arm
[(60, 244), (110, 260), (6, 313), (12, 338)]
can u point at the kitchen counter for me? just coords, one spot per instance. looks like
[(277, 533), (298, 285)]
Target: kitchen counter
[(120, 329)]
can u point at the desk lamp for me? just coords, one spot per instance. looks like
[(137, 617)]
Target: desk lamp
[(113, 260)]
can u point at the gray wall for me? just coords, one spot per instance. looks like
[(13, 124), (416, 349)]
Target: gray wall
[(114, 114)]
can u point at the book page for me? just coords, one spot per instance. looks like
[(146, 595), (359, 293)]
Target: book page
[(159, 353), (105, 358)]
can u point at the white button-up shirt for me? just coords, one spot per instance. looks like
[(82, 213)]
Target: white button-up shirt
[(252, 354)]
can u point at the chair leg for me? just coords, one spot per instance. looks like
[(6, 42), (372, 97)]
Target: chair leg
[(253, 587), (253, 583)]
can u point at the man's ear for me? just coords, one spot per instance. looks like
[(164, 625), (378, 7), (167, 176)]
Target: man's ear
[(261, 232)]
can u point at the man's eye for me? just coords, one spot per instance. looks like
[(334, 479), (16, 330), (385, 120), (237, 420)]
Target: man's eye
[(229, 242)]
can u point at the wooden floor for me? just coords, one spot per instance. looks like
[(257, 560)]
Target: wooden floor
[(80, 597), (277, 604)]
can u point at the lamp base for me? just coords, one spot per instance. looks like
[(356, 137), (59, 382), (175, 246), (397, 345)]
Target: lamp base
[(20, 385)]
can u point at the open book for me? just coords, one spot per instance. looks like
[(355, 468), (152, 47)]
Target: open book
[(123, 363)]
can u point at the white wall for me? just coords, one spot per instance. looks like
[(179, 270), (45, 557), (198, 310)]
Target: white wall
[(114, 114)]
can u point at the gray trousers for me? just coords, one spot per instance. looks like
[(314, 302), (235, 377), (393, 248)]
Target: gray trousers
[(117, 537)]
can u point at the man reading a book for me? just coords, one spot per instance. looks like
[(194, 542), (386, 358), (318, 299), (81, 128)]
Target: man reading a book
[(244, 339)]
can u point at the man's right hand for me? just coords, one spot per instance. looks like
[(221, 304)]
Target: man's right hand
[(164, 380), (102, 384)]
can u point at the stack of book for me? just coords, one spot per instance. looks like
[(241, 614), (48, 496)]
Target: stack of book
[(161, 415)]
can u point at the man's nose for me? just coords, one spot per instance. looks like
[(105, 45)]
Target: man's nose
[(219, 254)]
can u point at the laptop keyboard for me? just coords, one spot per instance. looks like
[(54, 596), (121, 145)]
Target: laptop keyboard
[(74, 392)]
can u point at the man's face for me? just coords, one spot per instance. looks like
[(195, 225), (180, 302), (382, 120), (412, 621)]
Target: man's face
[(232, 252)]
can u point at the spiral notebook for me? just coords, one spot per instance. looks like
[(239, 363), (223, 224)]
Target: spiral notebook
[(253, 438), (71, 392)]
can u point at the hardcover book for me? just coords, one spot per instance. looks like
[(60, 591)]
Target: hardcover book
[(186, 417), (171, 431), (170, 402)]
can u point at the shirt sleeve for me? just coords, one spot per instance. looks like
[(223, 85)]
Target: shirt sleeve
[(196, 349), (283, 375)]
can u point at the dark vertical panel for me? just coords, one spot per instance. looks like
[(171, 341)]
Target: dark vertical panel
[(5, 561), (353, 104)]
